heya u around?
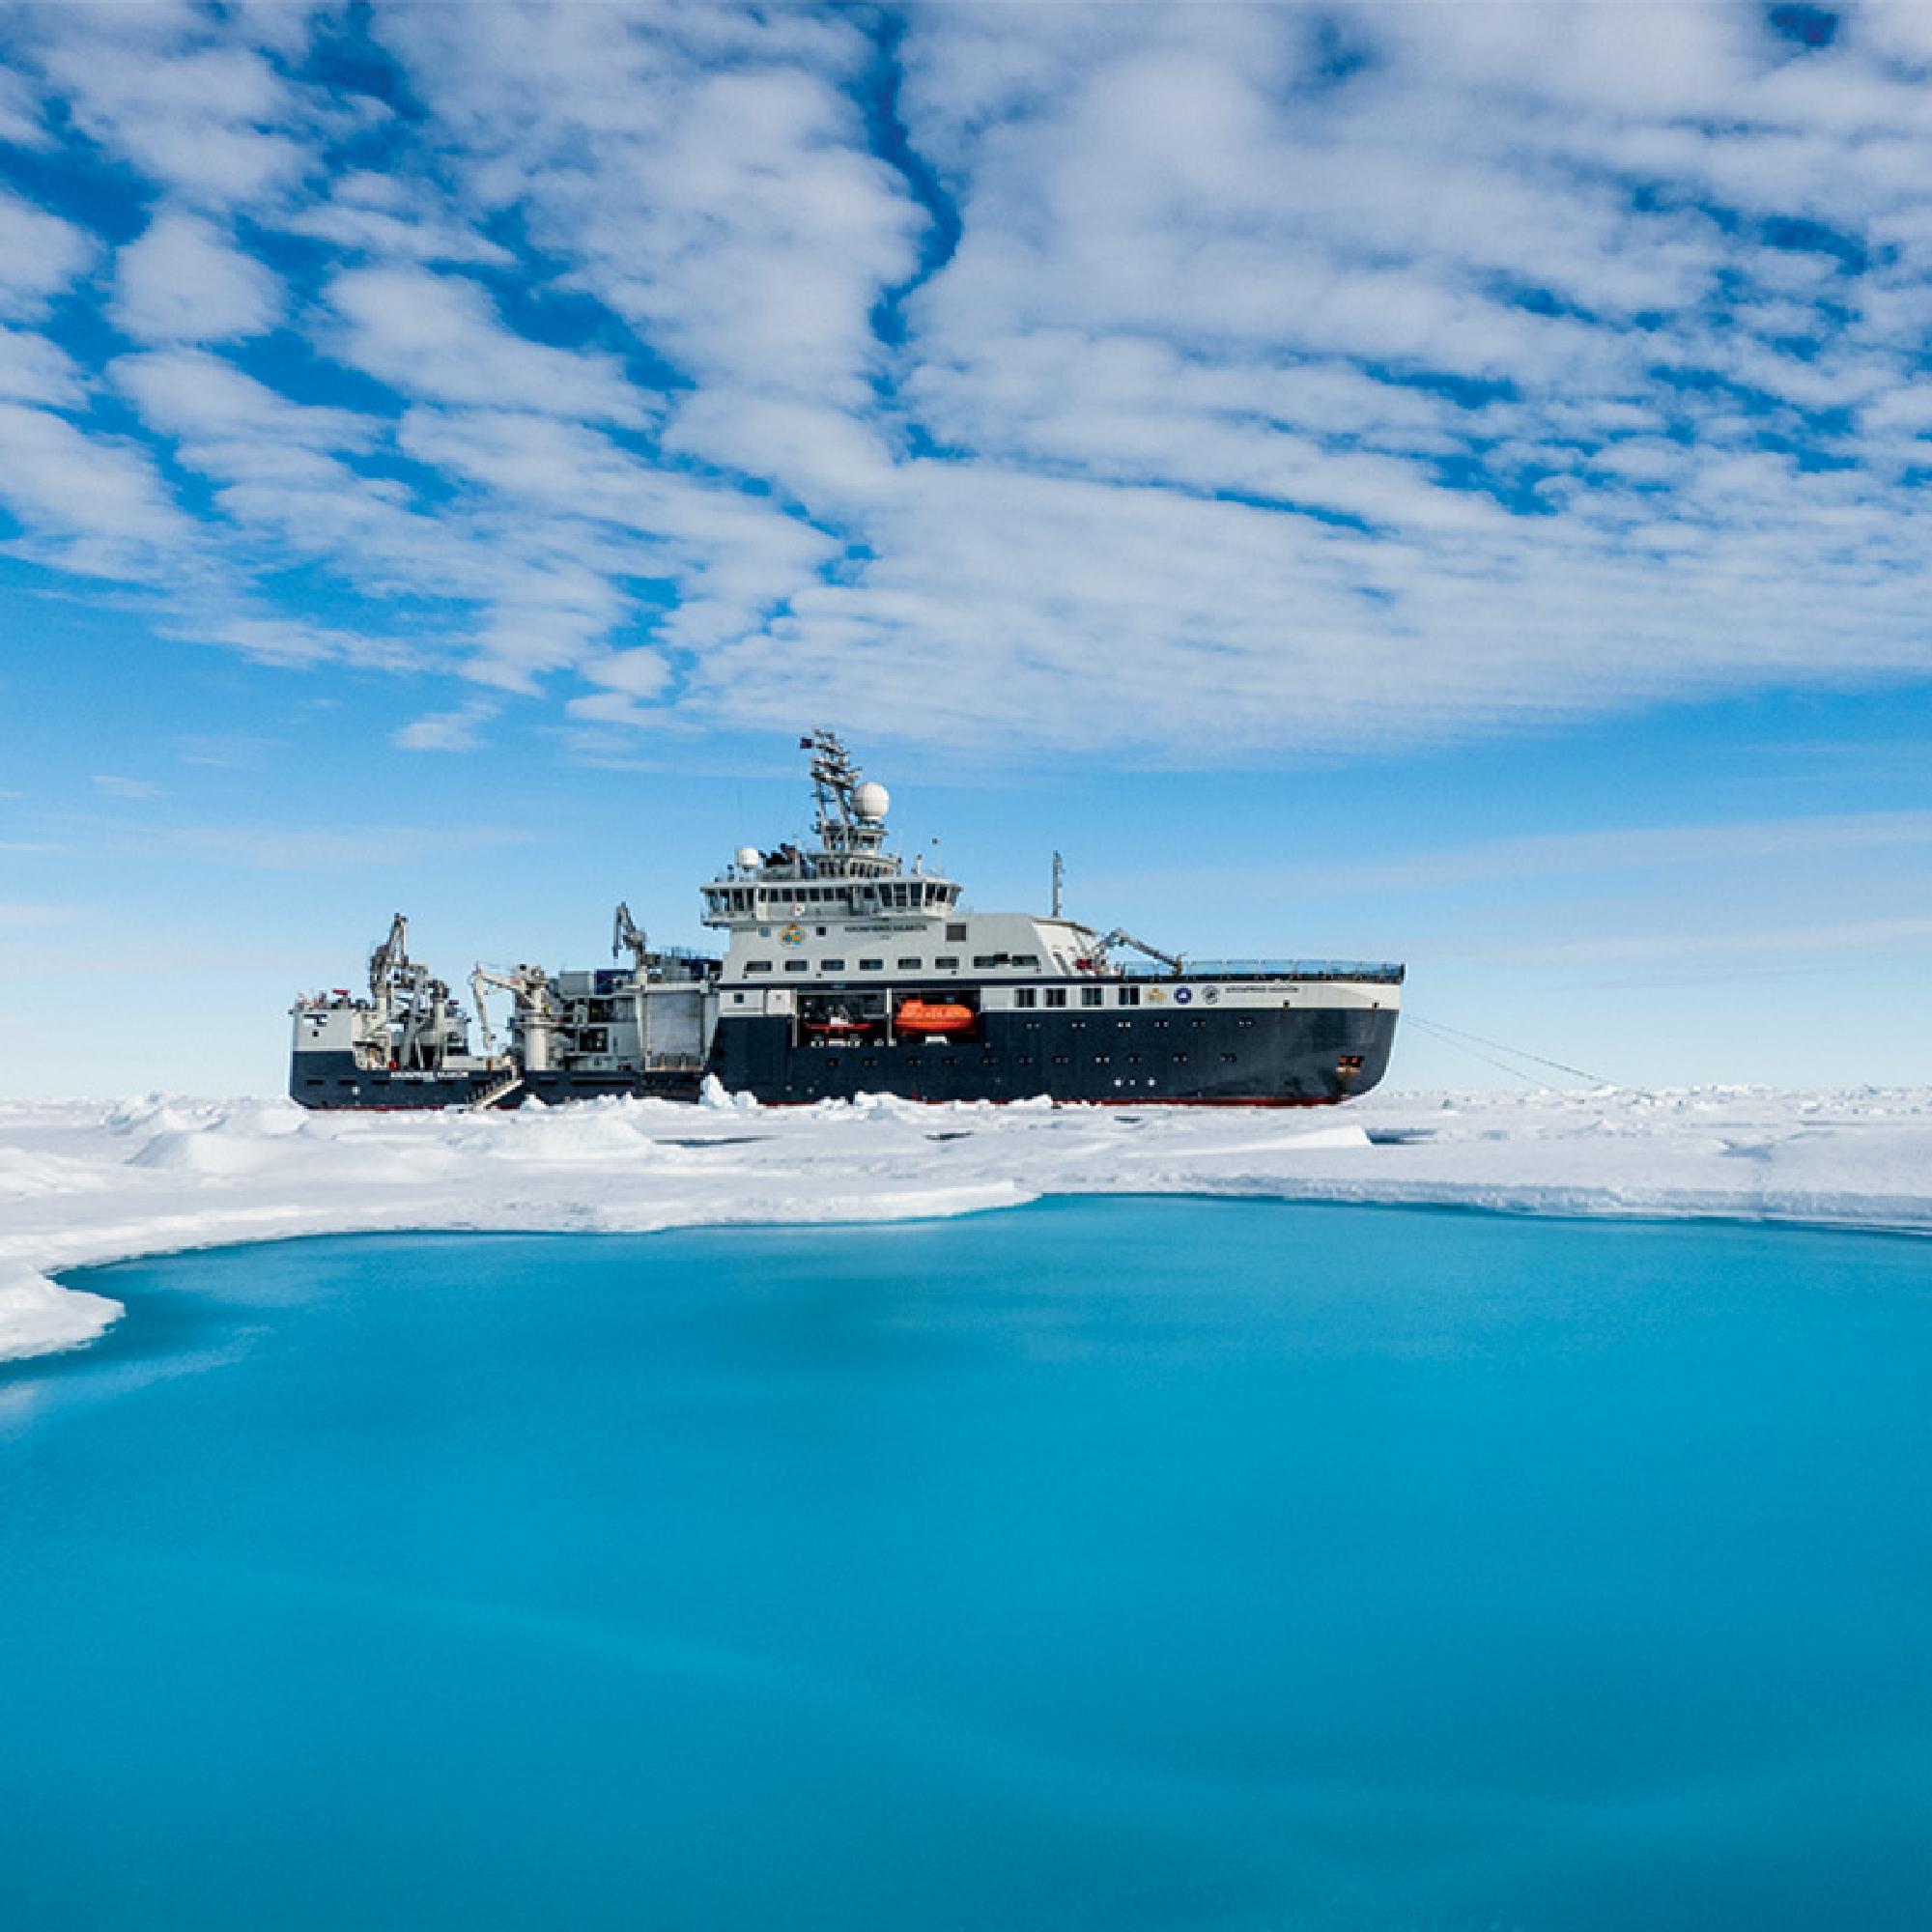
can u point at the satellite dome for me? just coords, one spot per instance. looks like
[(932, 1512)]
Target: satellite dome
[(750, 857), (870, 801)]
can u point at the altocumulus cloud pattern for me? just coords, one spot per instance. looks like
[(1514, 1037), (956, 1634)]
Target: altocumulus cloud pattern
[(1128, 378)]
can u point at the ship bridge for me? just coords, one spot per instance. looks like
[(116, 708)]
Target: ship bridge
[(848, 874)]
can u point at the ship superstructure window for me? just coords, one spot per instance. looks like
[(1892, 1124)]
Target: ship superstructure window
[(757, 966), (956, 932), (832, 965), (947, 962), (1024, 997), (1130, 995), (989, 958), (912, 965), (798, 965), (1093, 996), (872, 965), (1056, 996)]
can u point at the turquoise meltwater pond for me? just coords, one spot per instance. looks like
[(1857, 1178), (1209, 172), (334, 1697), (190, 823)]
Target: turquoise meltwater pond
[(1104, 1564)]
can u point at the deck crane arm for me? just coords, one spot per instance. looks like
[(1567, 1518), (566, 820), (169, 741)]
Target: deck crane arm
[(388, 961), (528, 986), (626, 936), (1120, 936)]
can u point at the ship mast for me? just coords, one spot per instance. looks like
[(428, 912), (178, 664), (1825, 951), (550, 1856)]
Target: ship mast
[(850, 820)]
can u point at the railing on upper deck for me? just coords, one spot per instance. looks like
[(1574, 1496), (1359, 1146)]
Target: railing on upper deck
[(1384, 972)]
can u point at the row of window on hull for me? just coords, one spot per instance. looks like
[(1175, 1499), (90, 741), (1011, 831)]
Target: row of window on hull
[(947, 962), (1023, 996), (888, 896)]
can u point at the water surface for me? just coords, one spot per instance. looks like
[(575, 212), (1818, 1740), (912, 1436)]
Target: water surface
[(1105, 1564)]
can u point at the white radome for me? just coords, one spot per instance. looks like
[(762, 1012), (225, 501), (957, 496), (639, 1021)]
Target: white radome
[(748, 857), (870, 801)]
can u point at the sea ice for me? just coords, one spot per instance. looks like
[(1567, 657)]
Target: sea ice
[(83, 1182)]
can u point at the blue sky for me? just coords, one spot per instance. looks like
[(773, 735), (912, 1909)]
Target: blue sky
[(1437, 482)]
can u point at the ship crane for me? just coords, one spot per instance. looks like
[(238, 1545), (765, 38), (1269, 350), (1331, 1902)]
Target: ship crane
[(389, 963), (1120, 936), (625, 936), (411, 1005), (529, 987)]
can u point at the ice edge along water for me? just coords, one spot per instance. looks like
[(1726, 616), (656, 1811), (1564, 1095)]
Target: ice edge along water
[(87, 1181)]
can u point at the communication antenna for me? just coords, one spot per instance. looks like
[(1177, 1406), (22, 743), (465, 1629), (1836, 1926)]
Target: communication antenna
[(1058, 872)]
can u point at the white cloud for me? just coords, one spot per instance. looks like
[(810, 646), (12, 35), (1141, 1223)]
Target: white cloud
[(380, 216), (19, 113), (440, 336), (205, 401), (458, 731), (1299, 376), (705, 170), (182, 280), (93, 503), (117, 787), (41, 256), (210, 123), (32, 370)]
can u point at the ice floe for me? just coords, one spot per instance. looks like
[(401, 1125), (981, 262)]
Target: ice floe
[(92, 1181)]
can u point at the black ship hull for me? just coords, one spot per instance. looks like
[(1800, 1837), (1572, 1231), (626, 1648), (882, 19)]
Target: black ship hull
[(1306, 1057), (328, 1081)]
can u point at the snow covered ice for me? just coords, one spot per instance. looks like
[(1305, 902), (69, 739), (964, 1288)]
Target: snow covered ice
[(85, 1181)]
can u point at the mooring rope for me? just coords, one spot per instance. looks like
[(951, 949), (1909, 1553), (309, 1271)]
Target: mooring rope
[(1457, 1036)]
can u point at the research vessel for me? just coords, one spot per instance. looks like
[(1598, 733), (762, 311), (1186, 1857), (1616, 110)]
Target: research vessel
[(844, 970)]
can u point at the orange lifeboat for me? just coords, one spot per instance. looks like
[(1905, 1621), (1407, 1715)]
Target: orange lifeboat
[(934, 1016)]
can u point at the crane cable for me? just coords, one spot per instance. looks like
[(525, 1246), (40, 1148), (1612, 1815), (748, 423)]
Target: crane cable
[(1455, 1036)]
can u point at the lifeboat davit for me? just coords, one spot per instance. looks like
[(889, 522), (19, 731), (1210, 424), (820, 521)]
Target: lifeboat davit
[(934, 1016)]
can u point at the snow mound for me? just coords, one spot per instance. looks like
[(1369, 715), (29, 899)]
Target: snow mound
[(38, 1316)]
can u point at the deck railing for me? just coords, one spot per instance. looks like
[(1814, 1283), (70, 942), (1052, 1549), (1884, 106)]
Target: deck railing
[(1384, 972)]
